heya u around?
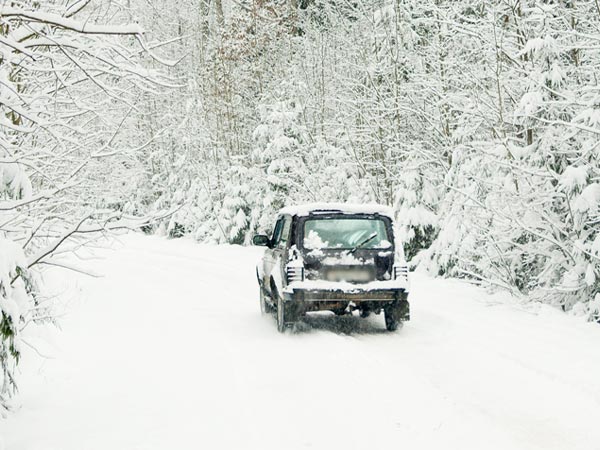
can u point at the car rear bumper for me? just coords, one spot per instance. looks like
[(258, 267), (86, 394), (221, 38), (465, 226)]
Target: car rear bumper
[(319, 290), (336, 295), (299, 301), (301, 297)]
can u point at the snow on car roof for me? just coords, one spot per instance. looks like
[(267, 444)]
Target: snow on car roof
[(346, 208)]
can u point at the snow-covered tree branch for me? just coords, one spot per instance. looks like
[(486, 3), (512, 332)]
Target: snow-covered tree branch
[(71, 74)]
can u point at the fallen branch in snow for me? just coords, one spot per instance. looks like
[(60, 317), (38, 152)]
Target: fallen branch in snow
[(39, 353), (105, 226), (63, 265)]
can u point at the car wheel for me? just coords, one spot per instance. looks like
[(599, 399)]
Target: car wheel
[(391, 323), (265, 306), (339, 311), (395, 314), (280, 314), (263, 303)]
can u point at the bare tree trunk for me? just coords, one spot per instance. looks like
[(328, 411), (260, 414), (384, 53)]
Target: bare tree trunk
[(219, 13), (204, 12)]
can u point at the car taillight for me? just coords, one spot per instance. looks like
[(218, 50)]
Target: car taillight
[(294, 273), (401, 272)]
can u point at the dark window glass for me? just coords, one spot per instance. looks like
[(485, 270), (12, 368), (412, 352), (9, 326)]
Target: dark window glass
[(285, 231), (277, 232), (345, 233)]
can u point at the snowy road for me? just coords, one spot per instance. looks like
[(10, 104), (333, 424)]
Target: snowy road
[(169, 351)]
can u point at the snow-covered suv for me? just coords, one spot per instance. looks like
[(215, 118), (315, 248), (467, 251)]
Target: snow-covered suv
[(336, 257)]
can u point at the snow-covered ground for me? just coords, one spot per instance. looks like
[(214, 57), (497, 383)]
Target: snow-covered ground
[(169, 351)]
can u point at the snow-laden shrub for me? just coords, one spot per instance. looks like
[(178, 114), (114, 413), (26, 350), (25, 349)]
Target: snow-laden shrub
[(416, 218), (14, 182), (16, 305)]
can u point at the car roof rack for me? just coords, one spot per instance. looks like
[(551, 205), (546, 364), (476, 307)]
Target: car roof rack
[(325, 211)]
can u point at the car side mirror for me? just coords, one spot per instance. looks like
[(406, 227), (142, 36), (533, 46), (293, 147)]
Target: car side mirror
[(262, 240)]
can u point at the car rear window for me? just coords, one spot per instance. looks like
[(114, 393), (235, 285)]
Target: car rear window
[(345, 233)]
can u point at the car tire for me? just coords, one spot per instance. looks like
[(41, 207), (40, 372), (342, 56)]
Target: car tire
[(265, 306), (280, 314), (263, 302), (391, 323), (394, 315), (339, 312), (391, 315)]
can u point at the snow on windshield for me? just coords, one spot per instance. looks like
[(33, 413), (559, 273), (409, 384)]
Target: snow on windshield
[(345, 233), (313, 241)]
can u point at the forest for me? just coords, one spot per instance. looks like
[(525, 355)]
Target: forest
[(477, 121)]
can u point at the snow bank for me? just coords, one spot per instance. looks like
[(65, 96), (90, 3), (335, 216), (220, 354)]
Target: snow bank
[(169, 350)]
